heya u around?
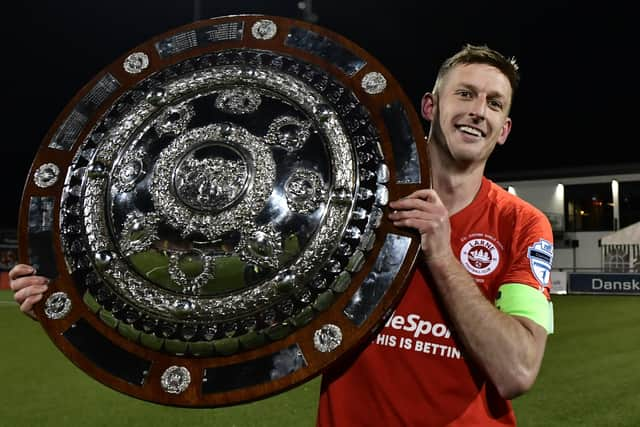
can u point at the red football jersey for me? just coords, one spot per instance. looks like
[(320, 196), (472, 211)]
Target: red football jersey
[(414, 372)]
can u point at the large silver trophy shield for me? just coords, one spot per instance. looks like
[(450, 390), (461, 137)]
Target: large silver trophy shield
[(211, 208)]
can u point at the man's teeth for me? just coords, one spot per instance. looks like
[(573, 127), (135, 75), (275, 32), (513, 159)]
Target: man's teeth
[(471, 130)]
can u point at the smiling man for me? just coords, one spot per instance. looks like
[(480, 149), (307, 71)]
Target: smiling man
[(470, 331)]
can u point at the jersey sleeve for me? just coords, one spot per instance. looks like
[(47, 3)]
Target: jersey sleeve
[(525, 287), (531, 253)]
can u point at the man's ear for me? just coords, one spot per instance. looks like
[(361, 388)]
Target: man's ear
[(504, 132), (428, 104)]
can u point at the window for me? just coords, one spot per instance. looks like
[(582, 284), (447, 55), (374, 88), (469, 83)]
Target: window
[(588, 207), (629, 196)]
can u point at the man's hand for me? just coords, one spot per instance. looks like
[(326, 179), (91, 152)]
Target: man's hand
[(424, 211), (27, 287)]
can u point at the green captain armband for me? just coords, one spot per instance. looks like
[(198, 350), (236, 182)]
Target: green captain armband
[(522, 300)]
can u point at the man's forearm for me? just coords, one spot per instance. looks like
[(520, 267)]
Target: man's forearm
[(508, 348)]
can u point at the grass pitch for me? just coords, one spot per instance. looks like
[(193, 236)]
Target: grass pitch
[(590, 377)]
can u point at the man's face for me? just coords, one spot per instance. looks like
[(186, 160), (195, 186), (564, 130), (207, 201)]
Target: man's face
[(469, 115)]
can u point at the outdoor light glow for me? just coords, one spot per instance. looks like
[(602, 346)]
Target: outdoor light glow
[(615, 192), (559, 194)]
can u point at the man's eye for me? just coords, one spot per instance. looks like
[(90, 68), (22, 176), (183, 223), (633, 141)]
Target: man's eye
[(496, 105), (464, 93)]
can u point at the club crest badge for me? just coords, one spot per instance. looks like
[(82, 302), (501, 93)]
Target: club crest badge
[(480, 256), (541, 257)]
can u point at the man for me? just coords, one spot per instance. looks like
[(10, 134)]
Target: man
[(470, 332)]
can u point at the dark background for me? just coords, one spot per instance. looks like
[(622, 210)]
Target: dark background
[(577, 105)]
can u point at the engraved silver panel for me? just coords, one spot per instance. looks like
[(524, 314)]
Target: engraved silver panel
[(67, 133), (41, 214), (320, 45), (378, 281), (199, 37), (242, 100)]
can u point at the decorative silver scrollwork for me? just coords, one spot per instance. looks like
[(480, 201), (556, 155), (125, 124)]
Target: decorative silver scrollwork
[(261, 246), (177, 207), (174, 119), (157, 96), (57, 306), (189, 215), (239, 100), (175, 379), (327, 338), (191, 270), (304, 190), (139, 232), (288, 132), (129, 170), (210, 184)]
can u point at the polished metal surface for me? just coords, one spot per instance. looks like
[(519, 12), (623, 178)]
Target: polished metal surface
[(214, 219)]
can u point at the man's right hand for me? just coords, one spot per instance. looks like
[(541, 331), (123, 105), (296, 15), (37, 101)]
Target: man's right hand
[(27, 287)]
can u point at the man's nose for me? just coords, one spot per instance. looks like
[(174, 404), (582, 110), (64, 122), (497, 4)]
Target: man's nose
[(479, 108)]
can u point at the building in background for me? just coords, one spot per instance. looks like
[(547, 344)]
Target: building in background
[(584, 206)]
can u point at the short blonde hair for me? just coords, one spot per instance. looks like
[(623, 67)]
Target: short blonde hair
[(471, 54)]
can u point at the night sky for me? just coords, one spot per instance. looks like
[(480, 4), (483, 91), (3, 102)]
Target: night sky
[(576, 105)]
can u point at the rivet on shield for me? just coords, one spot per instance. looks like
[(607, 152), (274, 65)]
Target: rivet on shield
[(175, 379), (46, 175), (57, 306), (264, 29), (374, 83), (327, 338), (136, 62)]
